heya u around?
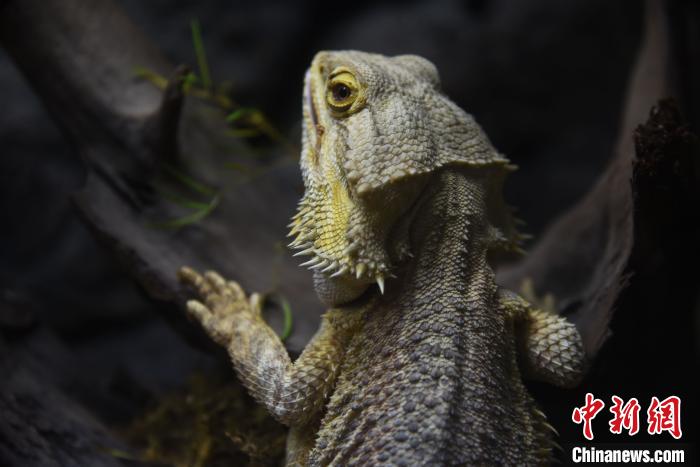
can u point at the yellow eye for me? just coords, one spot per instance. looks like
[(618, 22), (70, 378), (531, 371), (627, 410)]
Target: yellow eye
[(342, 91)]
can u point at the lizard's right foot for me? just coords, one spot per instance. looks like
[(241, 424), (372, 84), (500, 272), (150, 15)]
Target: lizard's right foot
[(220, 303)]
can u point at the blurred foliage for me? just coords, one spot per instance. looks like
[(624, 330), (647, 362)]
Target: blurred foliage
[(288, 323), (242, 122), (211, 421), (279, 302), (184, 183)]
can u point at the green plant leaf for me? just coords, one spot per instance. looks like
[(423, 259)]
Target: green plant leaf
[(239, 113), (159, 81), (288, 319), (190, 219), (201, 55), (189, 181)]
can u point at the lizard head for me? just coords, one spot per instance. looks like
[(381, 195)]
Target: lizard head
[(374, 130)]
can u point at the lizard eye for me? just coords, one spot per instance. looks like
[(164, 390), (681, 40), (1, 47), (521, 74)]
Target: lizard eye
[(342, 91)]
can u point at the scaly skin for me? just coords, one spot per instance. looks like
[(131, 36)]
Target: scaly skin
[(402, 189)]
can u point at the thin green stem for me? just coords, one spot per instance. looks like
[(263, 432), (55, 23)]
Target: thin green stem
[(201, 55)]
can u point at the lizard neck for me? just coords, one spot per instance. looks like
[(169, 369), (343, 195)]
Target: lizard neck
[(449, 234)]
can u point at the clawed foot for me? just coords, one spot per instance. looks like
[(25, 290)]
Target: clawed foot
[(219, 304)]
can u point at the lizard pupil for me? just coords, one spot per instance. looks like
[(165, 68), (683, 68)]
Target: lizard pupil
[(341, 92)]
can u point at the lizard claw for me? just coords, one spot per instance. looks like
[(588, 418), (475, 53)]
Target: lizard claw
[(198, 310), (219, 302), (216, 281), (190, 277), (211, 287)]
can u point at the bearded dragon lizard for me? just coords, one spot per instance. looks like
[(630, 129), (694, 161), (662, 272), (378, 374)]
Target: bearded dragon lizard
[(420, 358)]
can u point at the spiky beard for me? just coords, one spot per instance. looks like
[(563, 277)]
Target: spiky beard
[(338, 240)]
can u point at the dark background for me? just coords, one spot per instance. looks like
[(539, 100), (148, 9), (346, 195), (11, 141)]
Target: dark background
[(546, 80)]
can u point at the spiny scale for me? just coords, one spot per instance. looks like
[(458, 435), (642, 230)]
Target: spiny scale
[(302, 225), (340, 271), (308, 251), (310, 262), (320, 265), (380, 283), (353, 247)]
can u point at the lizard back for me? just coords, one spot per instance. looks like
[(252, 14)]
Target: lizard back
[(432, 377)]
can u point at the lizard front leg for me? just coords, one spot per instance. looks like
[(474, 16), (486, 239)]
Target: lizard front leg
[(293, 392), (550, 347)]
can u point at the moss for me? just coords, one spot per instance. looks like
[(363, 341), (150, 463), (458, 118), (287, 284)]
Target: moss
[(211, 422)]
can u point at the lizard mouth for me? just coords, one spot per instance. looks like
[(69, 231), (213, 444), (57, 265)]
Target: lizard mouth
[(329, 225)]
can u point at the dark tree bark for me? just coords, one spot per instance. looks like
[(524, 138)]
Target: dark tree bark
[(588, 255), (81, 59), (40, 423)]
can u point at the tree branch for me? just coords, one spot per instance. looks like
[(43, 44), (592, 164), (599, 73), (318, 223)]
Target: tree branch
[(589, 254)]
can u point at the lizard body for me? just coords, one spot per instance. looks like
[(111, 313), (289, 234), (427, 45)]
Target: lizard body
[(403, 189)]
